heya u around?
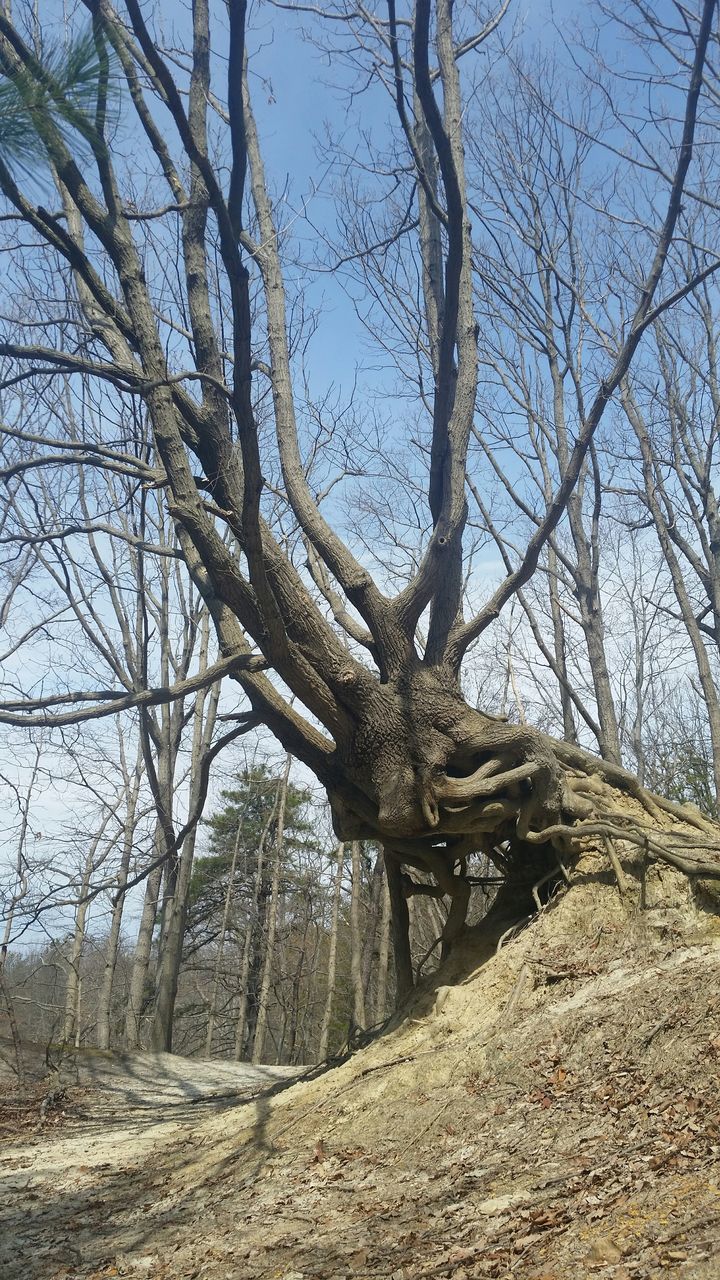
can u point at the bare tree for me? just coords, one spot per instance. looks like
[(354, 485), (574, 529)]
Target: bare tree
[(673, 410), (360, 684)]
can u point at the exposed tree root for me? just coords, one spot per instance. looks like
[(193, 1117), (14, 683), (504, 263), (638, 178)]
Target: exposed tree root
[(436, 782)]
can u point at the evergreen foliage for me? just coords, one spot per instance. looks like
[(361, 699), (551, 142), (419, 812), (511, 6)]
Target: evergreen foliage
[(70, 88)]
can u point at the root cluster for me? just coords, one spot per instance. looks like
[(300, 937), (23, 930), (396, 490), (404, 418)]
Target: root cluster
[(468, 784)]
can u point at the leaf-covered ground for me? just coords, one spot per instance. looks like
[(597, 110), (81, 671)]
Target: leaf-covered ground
[(554, 1114)]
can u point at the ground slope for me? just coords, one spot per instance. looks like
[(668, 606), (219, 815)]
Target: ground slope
[(553, 1112)]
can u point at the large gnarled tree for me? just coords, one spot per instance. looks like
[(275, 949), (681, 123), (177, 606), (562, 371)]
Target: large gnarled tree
[(361, 684)]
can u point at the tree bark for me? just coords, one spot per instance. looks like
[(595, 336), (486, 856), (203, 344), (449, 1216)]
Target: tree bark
[(404, 976)]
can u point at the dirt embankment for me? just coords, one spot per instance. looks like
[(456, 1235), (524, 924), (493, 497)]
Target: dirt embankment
[(552, 1114)]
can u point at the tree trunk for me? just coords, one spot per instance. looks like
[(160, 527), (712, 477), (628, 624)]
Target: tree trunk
[(369, 957), (380, 1005), (251, 958), (356, 945), (178, 881), (72, 989), (404, 977), (559, 646), (262, 1015), (297, 983), (113, 942), (141, 960), (168, 973), (332, 956), (244, 979)]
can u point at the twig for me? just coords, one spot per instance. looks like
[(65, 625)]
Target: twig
[(615, 864)]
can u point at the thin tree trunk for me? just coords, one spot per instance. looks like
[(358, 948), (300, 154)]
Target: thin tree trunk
[(141, 958), (178, 882), (262, 1018), (356, 976), (113, 942), (297, 982), (78, 1007), (380, 1007), (369, 958), (168, 973), (245, 1029), (558, 627), (332, 956), (244, 983), (404, 977), (72, 986)]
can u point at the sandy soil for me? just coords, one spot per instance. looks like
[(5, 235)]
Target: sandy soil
[(554, 1115)]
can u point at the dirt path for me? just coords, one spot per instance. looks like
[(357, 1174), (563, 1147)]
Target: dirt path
[(80, 1183)]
